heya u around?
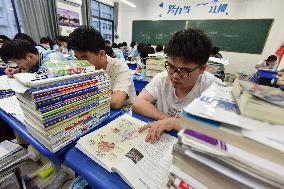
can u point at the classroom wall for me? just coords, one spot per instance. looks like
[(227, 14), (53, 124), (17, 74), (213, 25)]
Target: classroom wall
[(244, 9)]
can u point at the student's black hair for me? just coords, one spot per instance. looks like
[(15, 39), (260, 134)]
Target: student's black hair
[(26, 37), (140, 47), (16, 49), (190, 45), (124, 44), (62, 38), (146, 50), (109, 51), (149, 44), (114, 45), (51, 42), (107, 42), (132, 44), (159, 48), (4, 38), (86, 38), (44, 40), (271, 58), (119, 45), (215, 50)]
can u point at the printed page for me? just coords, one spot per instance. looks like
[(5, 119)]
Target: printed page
[(11, 105), (110, 143), (147, 165), (4, 85)]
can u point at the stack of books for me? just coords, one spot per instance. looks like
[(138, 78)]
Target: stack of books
[(11, 157), (219, 148), (154, 64), (58, 110)]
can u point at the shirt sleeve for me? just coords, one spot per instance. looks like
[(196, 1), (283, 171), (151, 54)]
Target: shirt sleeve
[(154, 87), (122, 78)]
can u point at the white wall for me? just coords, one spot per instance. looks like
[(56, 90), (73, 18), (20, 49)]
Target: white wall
[(237, 9)]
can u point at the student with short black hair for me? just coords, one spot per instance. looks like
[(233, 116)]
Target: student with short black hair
[(117, 52), (44, 42), (110, 52), (215, 52), (28, 38), (3, 38), (88, 44), (108, 43), (26, 56), (159, 48), (184, 80)]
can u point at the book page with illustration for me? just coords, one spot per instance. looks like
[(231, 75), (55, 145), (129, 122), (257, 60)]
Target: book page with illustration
[(110, 143), (147, 165)]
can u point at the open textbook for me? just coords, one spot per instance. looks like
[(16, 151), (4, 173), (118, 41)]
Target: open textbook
[(119, 147)]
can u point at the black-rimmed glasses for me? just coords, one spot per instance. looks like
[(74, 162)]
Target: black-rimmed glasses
[(182, 72)]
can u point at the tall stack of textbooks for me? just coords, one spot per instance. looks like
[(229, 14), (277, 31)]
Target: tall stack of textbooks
[(58, 110), (154, 64), (219, 148)]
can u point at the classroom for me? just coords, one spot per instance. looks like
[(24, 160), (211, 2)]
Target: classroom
[(141, 94)]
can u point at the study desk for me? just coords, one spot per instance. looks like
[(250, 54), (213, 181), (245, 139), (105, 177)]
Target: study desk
[(93, 173), (139, 83), (58, 157)]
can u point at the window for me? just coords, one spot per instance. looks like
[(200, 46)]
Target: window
[(10, 19), (103, 19)]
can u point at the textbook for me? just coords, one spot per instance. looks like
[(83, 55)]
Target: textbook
[(119, 147), (259, 102), (69, 67)]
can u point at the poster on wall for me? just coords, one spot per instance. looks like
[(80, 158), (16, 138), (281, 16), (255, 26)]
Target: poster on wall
[(68, 20)]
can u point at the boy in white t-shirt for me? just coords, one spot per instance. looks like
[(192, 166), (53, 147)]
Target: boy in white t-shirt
[(88, 44), (185, 79)]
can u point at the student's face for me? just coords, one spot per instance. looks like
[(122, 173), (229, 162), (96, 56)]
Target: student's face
[(98, 60), (271, 62), (28, 63), (188, 74)]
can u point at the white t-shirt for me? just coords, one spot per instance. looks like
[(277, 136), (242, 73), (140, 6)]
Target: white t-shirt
[(163, 92), (263, 63), (120, 78)]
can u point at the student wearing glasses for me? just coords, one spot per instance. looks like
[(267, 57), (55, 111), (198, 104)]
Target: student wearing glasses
[(184, 80)]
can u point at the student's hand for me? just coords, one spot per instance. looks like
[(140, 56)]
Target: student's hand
[(11, 71), (156, 128)]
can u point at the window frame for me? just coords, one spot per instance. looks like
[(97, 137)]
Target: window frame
[(104, 19)]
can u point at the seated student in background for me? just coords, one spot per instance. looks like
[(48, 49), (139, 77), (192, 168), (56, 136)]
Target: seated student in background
[(269, 63), (26, 56), (44, 42), (124, 47), (184, 80), (109, 52), (215, 52), (88, 44), (26, 37), (3, 38), (159, 49), (136, 54), (108, 43), (117, 52)]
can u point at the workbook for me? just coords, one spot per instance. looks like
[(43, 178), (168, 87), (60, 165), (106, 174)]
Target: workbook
[(119, 147)]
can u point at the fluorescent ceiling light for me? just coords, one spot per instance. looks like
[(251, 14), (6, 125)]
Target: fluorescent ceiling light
[(128, 3)]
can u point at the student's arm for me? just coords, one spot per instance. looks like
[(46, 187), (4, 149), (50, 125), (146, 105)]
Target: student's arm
[(156, 128), (11, 71), (144, 105), (117, 99)]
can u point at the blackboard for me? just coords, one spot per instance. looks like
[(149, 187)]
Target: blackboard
[(243, 36)]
